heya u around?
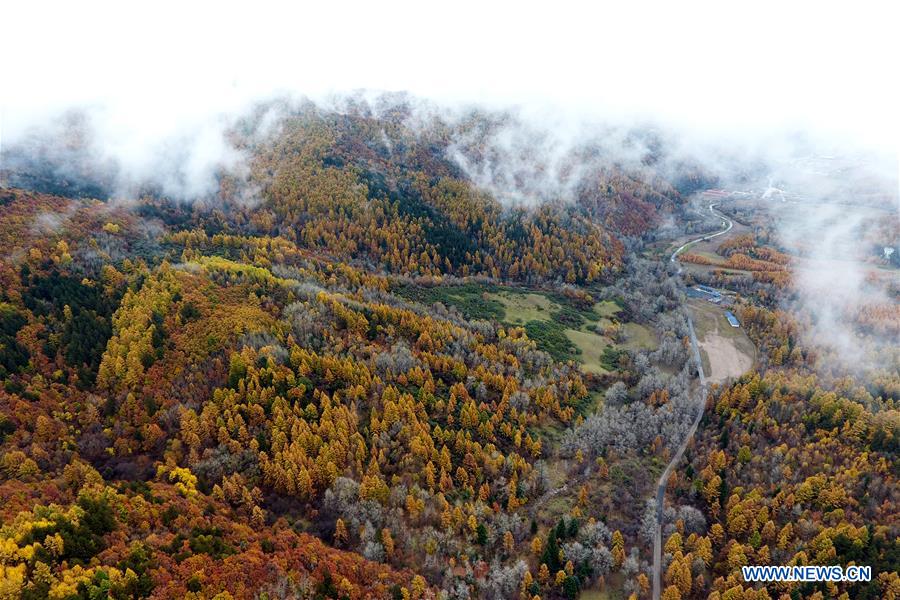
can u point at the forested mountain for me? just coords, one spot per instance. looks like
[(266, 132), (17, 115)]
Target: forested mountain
[(356, 370)]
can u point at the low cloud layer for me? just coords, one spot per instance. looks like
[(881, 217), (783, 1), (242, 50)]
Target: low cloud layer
[(145, 96), (840, 218), (167, 78)]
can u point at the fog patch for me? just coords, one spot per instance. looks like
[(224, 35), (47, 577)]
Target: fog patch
[(836, 214)]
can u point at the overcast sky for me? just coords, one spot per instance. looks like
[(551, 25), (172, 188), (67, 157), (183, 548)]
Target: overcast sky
[(717, 66)]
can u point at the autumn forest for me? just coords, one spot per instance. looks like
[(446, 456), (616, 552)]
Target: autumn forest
[(351, 370)]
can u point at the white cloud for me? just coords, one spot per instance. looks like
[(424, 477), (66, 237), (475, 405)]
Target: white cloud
[(714, 66)]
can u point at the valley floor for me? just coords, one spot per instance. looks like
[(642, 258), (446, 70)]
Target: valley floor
[(726, 351)]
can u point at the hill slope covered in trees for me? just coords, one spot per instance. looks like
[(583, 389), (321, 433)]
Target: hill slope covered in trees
[(352, 371)]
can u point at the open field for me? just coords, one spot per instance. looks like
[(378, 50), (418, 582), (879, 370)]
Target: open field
[(564, 331), (607, 309), (547, 321), (519, 308), (591, 347), (726, 351), (638, 337)]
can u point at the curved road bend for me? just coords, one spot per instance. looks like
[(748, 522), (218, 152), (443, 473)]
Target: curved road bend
[(727, 224), (664, 478)]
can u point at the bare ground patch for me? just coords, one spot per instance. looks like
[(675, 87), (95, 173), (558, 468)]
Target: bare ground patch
[(725, 360), (726, 351)]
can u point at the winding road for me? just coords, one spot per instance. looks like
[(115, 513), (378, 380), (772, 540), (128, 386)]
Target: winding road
[(727, 224)]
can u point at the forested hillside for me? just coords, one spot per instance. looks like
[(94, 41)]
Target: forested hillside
[(352, 372)]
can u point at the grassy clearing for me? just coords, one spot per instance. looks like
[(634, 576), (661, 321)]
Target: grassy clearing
[(552, 338), (607, 309), (554, 509), (638, 337), (559, 329), (704, 359), (520, 308), (564, 331), (705, 321), (591, 347), (602, 323), (704, 317), (708, 318)]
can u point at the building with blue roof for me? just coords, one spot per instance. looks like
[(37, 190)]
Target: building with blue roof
[(732, 319)]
